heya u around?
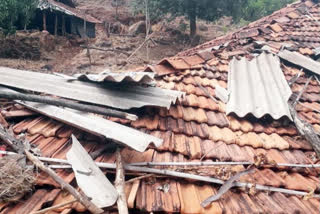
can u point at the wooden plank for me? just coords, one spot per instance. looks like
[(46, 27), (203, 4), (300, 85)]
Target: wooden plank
[(301, 60), (97, 126), (90, 178)]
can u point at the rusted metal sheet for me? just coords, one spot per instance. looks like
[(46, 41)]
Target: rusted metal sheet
[(130, 137), (58, 6), (300, 60), (120, 97), (135, 77), (258, 87), (90, 178)]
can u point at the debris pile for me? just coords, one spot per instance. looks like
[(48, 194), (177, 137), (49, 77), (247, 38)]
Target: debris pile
[(15, 180)]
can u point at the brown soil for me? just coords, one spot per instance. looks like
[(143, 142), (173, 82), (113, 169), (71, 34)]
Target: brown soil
[(62, 54)]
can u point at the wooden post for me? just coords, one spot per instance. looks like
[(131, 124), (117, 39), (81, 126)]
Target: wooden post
[(56, 24), (120, 185), (85, 28), (63, 25), (44, 20)]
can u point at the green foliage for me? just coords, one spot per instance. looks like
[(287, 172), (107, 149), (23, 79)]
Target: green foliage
[(240, 10), (12, 10), (260, 8)]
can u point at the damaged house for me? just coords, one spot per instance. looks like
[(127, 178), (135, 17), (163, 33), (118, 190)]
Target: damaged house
[(230, 126), (61, 17)]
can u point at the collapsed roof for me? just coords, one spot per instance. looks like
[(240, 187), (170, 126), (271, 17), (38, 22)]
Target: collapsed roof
[(198, 129)]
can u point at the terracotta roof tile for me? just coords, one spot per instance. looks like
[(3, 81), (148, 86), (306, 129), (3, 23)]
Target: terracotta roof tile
[(197, 127), (276, 27)]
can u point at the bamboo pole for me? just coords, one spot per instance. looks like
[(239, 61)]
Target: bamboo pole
[(176, 164), (190, 176)]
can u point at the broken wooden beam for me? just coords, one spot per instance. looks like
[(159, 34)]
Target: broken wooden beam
[(13, 95), (306, 130), (225, 187), (120, 184)]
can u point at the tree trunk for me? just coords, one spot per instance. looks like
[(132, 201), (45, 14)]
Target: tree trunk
[(192, 13), (193, 25), (44, 20)]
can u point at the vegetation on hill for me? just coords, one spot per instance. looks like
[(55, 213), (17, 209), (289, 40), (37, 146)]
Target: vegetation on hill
[(13, 10), (245, 10)]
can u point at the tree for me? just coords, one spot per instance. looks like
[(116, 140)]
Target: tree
[(192, 9), (209, 9), (11, 10), (27, 11), (260, 8)]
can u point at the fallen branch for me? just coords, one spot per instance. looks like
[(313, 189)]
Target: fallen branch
[(306, 130), (139, 178), (106, 50), (54, 207), (225, 187), (21, 145), (120, 185), (134, 52), (65, 103), (80, 197)]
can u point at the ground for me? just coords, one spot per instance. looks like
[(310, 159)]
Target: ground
[(65, 54)]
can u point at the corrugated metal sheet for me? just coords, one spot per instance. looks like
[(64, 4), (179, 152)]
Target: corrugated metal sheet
[(98, 126), (258, 87), (136, 77), (89, 177), (121, 97), (301, 60), (53, 5)]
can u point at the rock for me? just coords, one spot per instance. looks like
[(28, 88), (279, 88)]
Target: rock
[(47, 67), (105, 44), (137, 28), (203, 28)]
